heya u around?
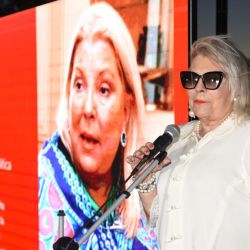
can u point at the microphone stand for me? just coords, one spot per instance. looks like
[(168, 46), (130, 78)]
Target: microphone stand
[(124, 195)]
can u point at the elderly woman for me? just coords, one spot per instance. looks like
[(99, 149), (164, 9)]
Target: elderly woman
[(83, 164), (202, 198)]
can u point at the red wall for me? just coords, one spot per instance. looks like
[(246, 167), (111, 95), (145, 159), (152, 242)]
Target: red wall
[(18, 132), (180, 59)]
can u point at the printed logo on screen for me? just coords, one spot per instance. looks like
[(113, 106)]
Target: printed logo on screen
[(2, 205), (5, 165), (2, 221)]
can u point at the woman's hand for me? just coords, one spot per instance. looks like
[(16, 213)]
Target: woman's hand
[(138, 155)]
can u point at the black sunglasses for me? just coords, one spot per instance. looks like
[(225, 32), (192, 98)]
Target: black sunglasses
[(211, 80)]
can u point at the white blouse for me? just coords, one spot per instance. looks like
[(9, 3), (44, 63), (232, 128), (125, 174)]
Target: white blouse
[(203, 199)]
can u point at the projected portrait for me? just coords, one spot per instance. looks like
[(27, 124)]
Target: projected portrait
[(99, 121)]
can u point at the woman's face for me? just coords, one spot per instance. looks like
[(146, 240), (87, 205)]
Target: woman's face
[(96, 107), (210, 105)]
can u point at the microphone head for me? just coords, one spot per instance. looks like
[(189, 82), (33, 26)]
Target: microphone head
[(174, 131)]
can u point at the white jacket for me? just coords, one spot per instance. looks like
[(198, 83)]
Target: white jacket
[(203, 197)]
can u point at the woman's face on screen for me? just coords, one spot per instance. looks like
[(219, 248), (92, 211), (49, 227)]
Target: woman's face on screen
[(96, 107)]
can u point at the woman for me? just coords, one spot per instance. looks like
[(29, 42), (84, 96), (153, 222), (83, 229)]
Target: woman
[(83, 164), (202, 198)]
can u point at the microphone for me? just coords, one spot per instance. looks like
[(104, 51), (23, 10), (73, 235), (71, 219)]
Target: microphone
[(170, 135)]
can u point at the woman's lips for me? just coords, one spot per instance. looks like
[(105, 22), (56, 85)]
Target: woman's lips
[(199, 101), (88, 140)]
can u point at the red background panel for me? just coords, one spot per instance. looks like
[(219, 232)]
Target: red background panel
[(18, 131), (180, 59), (18, 121)]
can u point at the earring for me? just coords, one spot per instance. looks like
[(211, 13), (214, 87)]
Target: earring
[(235, 99), (123, 138), (191, 113)]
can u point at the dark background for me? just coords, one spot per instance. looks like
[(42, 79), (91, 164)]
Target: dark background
[(11, 6), (228, 17)]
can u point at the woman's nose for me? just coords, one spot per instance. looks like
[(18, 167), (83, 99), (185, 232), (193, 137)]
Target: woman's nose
[(89, 106), (200, 86)]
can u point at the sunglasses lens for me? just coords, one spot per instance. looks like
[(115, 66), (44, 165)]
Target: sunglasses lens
[(189, 79), (212, 80)]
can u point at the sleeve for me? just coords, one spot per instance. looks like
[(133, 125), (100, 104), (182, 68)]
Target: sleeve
[(246, 165), (154, 212)]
